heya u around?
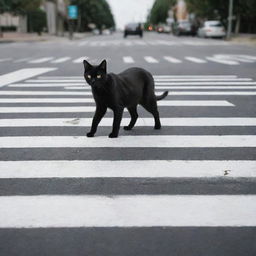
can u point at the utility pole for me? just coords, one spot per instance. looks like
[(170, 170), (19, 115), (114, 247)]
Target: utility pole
[(230, 18)]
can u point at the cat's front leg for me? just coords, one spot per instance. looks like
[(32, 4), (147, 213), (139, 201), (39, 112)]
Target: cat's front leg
[(118, 113), (99, 113)]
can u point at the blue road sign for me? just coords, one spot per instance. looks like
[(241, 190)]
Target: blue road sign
[(72, 11)]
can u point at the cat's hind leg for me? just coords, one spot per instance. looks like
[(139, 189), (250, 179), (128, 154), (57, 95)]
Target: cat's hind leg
[(134, 117), (151, 107)]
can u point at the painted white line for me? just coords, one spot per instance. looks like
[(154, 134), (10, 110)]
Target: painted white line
[(83, 43), (194, 76), (127, 169), (214, 93), (46, 100), (43, 93), (80, 60), (22, 60), (22, 74), (213, 103), (158, 141), (55, 81), (41, 60), (45, 109), (150, 59), (227, 87), (127, 211), (128, 59), (172, 60), (59, 77), (222, 61), (26, 85), (248, 57), (77, 88), (6, 59), (202, 79), (107, 122), (60, 60), (205, 83), (196, 60)]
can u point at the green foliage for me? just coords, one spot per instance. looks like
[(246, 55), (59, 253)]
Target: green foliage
[(159, 11), (36, 21), (21, 7), (97, 12), (218, 9)]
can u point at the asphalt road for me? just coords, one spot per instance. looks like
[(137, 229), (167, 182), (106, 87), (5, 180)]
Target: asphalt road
[(188, 189)]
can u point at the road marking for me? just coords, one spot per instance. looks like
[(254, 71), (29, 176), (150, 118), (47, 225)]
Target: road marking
[(196, 60), (22, 60), (41, 60), (43, 93), (22, 74), (127, 169), (46, 100), (127, 211), (6, 59), (128, 59), (150, 59), (80, 60), (48, 85), (222, 61), (60, 60), (245, 93), (201, 79), (107, 122), (55, 81), (158, 141), (190, 87), (83, 43), (172, 60), (45, 109), (190, 76), (205, 83)]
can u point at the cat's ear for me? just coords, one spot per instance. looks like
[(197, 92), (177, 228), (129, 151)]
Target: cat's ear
[(87, 65), (103, 66)]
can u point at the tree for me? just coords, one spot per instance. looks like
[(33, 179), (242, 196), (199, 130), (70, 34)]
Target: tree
[(96, 12), (159, 11), (244, 12)]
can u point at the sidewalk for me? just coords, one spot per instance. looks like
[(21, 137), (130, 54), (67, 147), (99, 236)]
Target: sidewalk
[(10, 37), (248, 39)]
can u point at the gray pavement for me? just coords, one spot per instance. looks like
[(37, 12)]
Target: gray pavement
[(209, 118)]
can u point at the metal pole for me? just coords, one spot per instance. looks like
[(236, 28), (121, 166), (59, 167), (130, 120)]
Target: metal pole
[(230, 18)]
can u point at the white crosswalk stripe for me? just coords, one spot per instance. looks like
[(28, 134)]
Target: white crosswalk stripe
[(43, 133)]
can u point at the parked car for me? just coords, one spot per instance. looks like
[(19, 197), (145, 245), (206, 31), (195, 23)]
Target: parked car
[(163, 28), (133, 29), (212, 28), (183, 27)]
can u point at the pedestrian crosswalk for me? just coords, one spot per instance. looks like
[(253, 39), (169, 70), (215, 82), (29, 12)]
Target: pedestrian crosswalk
[(214, 59), (206, 136)]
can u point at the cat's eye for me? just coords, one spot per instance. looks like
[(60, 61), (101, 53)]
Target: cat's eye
[(98, 76), (89, 76)]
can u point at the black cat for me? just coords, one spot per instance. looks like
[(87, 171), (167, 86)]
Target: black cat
[(118, 91)]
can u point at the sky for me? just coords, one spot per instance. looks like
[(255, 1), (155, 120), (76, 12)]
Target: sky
[(126, 11)]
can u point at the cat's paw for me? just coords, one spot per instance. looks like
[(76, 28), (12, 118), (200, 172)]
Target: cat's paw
[(127, 128), (113, 135), (157, 127), (90, 134)]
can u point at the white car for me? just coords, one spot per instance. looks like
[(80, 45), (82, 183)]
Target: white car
[(212, 28)]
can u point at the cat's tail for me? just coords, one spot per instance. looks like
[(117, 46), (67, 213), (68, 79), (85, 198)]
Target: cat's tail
[(160, 97)]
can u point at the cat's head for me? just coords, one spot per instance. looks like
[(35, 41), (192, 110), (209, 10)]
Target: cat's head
[(95, 76)]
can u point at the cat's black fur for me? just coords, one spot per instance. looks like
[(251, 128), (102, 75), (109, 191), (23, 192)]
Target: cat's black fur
[(118, 91)]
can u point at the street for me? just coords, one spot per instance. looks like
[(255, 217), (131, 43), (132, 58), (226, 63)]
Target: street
[(187, 189)]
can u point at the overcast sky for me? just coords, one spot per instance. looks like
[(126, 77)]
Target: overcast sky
[(126, 11)]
